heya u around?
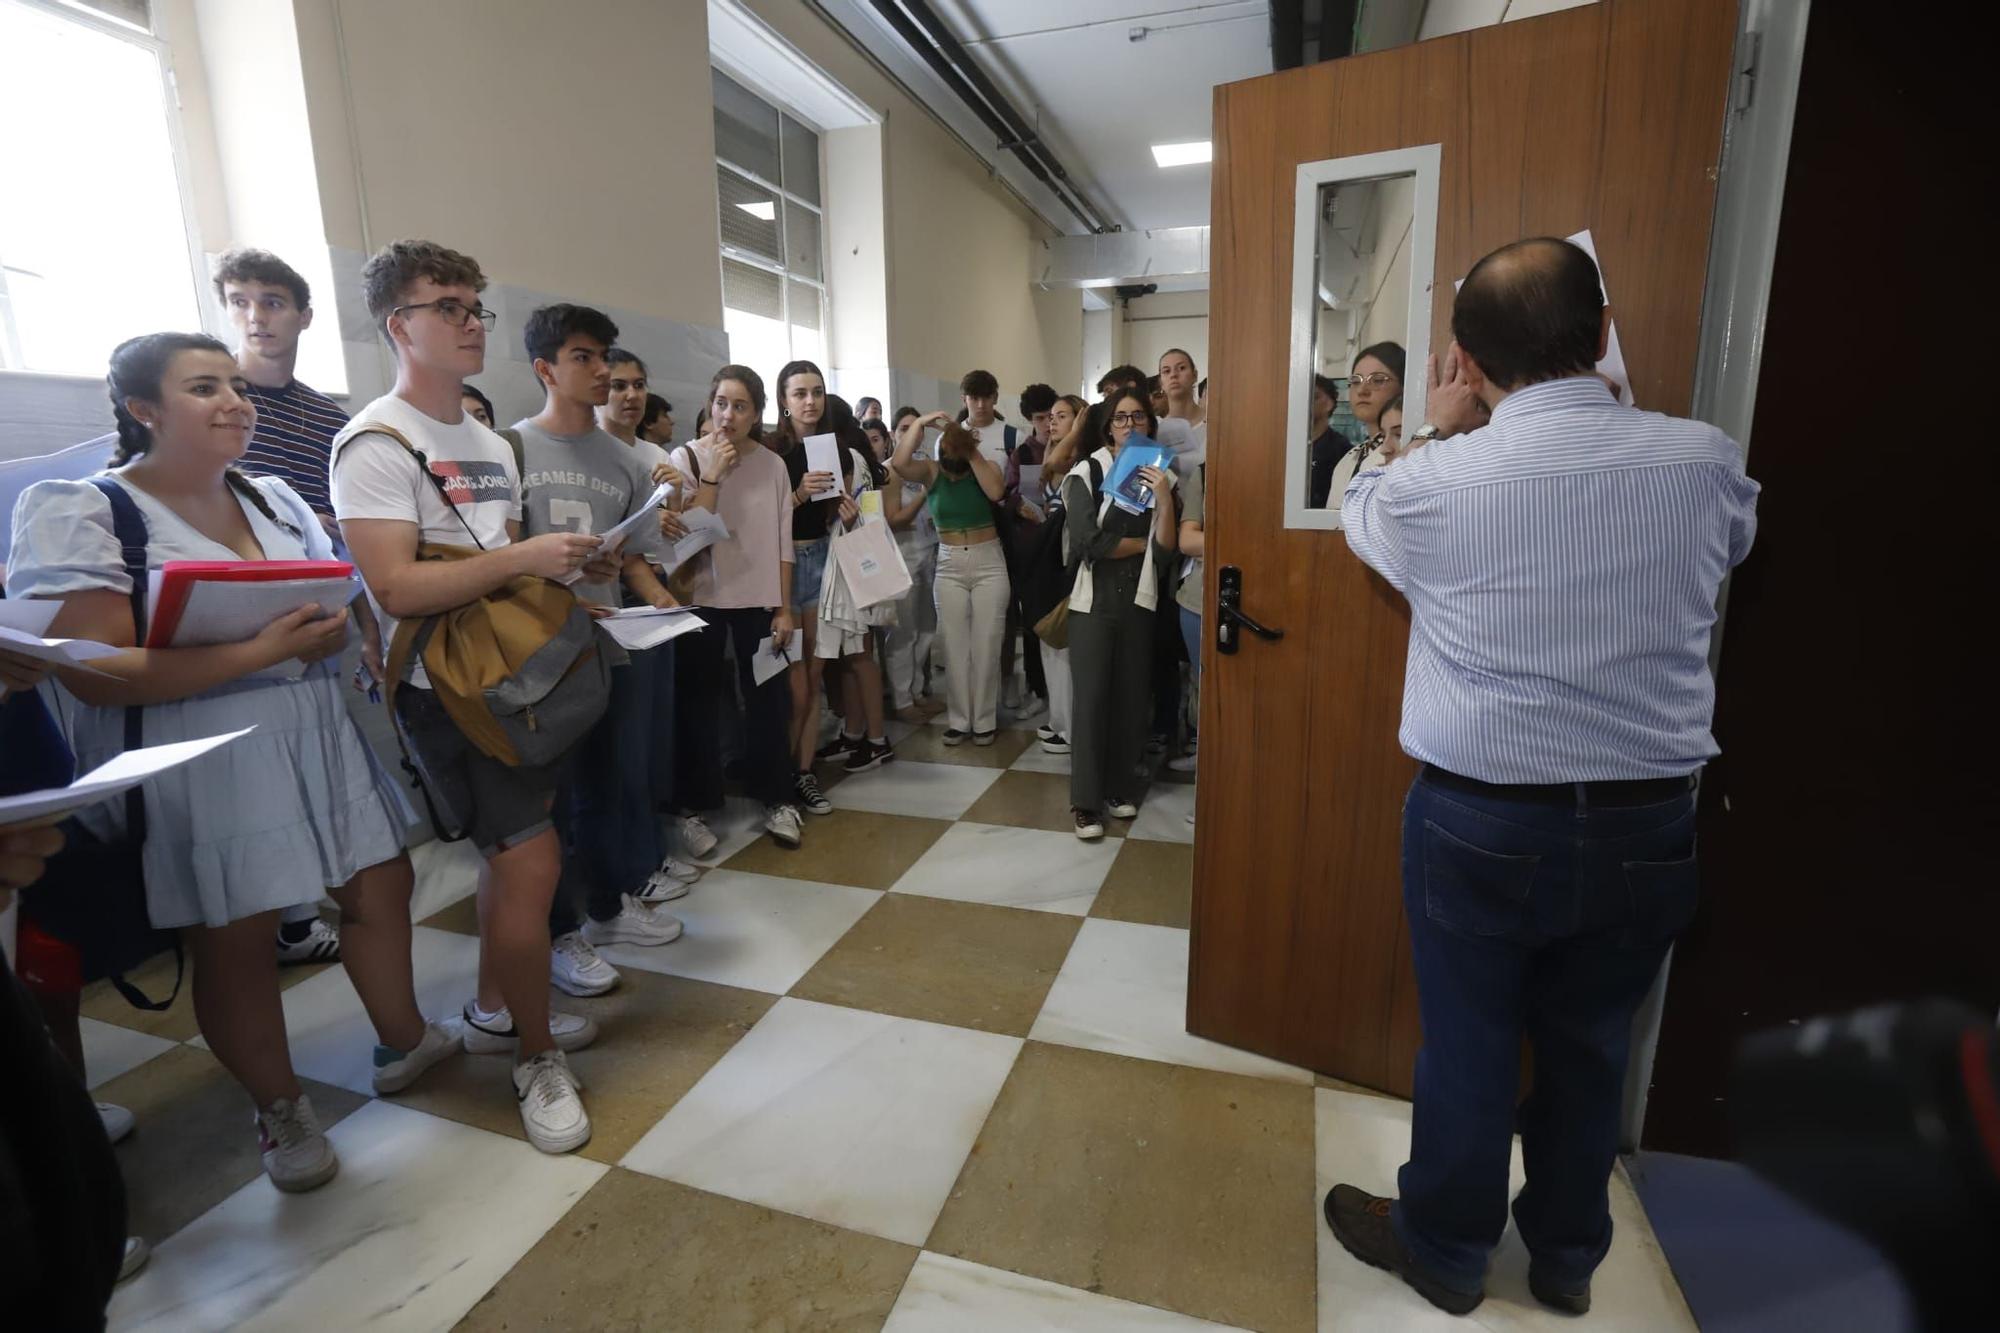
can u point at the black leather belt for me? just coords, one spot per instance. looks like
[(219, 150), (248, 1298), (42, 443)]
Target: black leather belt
[(1636, 791)]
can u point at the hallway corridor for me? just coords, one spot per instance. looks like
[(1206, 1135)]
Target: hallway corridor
[(951, 1091)]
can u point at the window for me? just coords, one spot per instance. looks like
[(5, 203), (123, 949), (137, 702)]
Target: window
[(94, 238), (773, 275)]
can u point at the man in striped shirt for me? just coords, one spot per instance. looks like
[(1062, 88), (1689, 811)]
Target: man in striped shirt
[(270, 305), (1562, 556)]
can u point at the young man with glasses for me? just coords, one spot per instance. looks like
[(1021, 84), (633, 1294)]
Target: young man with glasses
[(425, 299), (270, 306)]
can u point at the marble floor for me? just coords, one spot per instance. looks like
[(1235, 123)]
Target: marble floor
[(927, 1073)]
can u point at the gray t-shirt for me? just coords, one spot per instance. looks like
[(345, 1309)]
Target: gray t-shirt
[(1192, 500), (588, 483)]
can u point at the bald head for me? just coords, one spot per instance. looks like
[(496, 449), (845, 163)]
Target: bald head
[(1531, 311)]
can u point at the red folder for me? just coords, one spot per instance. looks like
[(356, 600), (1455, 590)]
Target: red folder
[(178, 577)]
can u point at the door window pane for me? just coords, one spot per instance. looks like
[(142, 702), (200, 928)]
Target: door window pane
[(746, 128), (801, 161)]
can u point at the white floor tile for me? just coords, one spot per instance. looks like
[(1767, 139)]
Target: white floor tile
[(947, 1295), (760, 932), (1163, 814), (332, 1039), (110, 1050), (446, 872), (909, 787), (1012, 867), (849, 1117), (1123, 989), (1362, 1140), (739, 823), (1035, 759), (424, 1217)]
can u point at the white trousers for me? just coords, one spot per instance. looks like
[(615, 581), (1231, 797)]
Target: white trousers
[(1055, 666), (972, 617)]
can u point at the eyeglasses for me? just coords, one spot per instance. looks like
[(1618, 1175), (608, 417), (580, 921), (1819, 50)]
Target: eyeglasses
[(455, 313), (1129, 419), (1379, 379)]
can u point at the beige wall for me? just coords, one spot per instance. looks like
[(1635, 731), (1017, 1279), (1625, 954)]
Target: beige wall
[(1163, 320)]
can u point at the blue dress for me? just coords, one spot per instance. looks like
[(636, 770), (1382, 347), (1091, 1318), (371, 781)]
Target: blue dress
[(269, 821)]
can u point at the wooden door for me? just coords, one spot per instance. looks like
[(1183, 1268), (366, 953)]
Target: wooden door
[(1607, 116)]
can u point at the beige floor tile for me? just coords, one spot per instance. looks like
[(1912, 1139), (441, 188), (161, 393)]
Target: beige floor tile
[(1170, 1186), (966, 964), (155, 979), (1032, 800), (1151, 883), (1342, 1085), (859, 848), (641, 1253), (462, 917), (196, 1143), (926, 745), (659, 1035)]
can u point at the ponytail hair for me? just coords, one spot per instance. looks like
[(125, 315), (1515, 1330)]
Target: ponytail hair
[(138, 369)]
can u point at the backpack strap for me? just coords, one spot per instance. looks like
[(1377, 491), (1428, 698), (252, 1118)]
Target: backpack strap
[(128, 525), (424, 466)]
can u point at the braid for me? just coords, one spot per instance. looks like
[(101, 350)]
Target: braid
[(133, 437), (243, 486)]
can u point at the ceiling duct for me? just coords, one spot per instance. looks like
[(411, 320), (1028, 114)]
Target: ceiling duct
[(1174, 257), (926, 34)]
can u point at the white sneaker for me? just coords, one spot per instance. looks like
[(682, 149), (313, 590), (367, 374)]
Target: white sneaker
[(1056, 744), (1045, 732), (551, 1111), (635, 923), (490, 1034), (118, 1121), (782, 823), (1182, 764), (696, 836), (396, 1070), (320, 945), (137, 1252), (576, 969), (672, 880), (297, 1156), (1120, 809)]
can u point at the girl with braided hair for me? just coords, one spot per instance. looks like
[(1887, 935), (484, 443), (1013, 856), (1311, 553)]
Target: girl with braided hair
[(297, 808)]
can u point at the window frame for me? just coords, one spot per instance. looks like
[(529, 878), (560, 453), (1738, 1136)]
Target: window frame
[(785, 274), (170, 108)]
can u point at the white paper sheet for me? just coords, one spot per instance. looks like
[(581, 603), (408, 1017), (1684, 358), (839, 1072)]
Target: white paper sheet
[(1031, 483), (23, 624), (641, 627), (768, 661), (823, 455), (30, 616), (870, 504), (646, 513), (230, 612), (121, 774), (704, 529)]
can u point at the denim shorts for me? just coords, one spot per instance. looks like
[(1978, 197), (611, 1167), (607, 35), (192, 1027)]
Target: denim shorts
[(808, 568)]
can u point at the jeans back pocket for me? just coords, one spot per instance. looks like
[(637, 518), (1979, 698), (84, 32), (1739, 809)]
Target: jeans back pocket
[(1663, 897), (1473, 891)]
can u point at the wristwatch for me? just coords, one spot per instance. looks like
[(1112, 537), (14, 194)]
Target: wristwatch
[(1423, 434)]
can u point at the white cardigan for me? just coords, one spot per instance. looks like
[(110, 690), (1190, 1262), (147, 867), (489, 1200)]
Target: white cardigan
[(1081, 596)]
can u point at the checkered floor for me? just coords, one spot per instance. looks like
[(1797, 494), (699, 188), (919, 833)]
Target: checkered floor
[(927, 1073)]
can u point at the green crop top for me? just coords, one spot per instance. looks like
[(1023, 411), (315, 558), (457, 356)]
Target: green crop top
[(957, 504)]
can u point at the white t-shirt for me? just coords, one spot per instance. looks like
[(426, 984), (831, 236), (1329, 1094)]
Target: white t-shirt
[(992, 440), (375, 477)]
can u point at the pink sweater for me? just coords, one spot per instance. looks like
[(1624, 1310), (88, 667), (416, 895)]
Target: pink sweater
[(755, 503)]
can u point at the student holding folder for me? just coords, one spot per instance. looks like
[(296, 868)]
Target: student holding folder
[(295, 809)]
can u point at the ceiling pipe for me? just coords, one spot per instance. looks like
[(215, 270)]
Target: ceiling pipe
[(925, 34)]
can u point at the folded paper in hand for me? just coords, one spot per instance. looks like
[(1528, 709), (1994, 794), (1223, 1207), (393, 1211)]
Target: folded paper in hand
[(704, 529), (769, 659), (633, 522), (22, 625), (640, 627), (823, 455), (123, 773)]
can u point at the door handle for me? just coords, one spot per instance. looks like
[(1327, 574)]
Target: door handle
[(1229, 614)]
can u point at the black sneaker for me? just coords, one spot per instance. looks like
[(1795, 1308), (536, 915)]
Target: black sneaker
[(1573, 1300), (869, 756), (1056, 743), (1360, 1222), (841, 747), (953, 736), (810, 796)]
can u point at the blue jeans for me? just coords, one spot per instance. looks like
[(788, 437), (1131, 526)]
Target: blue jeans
[(606, 812), (1536, 919)]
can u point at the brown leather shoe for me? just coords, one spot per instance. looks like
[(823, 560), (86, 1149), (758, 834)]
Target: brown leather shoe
[(1360, 1222)]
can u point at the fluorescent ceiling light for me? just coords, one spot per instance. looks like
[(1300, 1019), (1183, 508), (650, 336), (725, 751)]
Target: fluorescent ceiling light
[(763, 208), (1183, 154)]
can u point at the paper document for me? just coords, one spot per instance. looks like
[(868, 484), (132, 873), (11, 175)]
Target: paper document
[(231, 612), (1127, 491), (640, 627), (768, 661), (823, 455), (870, 504), (121, 774), (1031, 482), (646, 513), (22, 624), (704, 529)]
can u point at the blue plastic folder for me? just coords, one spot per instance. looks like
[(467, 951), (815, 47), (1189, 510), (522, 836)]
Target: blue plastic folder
[(1127, 491)]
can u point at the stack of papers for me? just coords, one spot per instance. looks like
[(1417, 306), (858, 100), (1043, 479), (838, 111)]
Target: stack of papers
[(22, 625), (635, 522), (640, 627), (704, 529), (121, 774)]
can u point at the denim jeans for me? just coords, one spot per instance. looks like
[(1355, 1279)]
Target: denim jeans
[(605, 813), (1547, 920)]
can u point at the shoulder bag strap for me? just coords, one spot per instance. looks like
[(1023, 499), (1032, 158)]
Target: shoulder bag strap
[(423, 466)]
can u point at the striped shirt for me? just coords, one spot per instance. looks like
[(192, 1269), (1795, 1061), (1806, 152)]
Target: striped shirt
[(1562, 566), (294, 440)]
